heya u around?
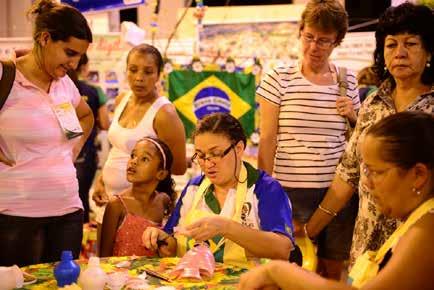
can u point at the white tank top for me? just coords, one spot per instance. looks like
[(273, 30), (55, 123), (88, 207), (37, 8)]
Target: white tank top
[(123, 141)]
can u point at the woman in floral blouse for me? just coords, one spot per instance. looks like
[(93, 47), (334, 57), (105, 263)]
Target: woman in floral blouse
[(403, 61)]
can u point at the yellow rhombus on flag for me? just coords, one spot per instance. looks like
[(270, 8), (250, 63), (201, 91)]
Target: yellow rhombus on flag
[(197, 94), (185, 103)]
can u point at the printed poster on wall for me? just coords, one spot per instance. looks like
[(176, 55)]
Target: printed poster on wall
[(107, 64), (245, 41)]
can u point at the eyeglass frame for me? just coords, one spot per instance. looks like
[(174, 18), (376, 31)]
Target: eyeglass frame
[(372, 175), (323, 43), (197, 159)]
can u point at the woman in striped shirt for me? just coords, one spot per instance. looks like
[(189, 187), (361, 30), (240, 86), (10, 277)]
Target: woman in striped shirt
[(303, 126)]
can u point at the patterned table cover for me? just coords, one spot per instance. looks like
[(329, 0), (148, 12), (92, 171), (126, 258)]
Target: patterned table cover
[(225, 277)]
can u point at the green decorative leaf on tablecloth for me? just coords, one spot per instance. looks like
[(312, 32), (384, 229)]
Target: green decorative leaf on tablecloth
[(235, 271)]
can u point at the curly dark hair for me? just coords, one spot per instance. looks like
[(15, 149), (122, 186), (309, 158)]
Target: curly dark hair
[(224, 124), (405, 18)]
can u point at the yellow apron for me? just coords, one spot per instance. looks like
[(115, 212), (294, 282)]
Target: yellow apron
[(308, 251), (233, 253), (367, 265)]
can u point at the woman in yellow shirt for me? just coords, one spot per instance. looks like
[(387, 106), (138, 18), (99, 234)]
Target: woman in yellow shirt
[(398, 170)]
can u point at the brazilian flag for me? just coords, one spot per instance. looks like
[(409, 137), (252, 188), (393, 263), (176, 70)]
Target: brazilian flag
[(196, 95)]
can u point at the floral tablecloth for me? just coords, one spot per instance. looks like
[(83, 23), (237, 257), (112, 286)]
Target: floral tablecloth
[(225, 277)]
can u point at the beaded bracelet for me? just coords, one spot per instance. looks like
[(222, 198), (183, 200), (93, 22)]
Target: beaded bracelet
[(327, 211)]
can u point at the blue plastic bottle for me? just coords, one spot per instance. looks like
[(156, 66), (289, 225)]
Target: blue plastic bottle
[(67, 271)]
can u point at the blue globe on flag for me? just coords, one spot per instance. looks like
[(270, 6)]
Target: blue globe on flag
[(211, 100)]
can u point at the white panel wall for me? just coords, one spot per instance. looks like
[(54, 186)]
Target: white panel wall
[(3, 18), (13, 21)]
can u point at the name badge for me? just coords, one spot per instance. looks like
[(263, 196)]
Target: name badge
[(68, 120)]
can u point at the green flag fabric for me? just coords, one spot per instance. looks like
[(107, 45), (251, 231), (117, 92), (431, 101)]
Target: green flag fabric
[(196, 95)]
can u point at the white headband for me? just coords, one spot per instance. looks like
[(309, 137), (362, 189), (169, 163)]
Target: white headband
[(159, 148)]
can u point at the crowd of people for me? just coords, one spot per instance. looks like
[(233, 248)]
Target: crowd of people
[(352, 173)]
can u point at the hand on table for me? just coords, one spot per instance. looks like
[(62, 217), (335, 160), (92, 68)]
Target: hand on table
[(207, 228), (257, 278)]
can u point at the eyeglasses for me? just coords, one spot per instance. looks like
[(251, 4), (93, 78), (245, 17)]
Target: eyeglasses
[(211, 157), (323, 43), (373, 175)]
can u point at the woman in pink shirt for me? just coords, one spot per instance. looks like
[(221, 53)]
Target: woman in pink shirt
[(43, 125)]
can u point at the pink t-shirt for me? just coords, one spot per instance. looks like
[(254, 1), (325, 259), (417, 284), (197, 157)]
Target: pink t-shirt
[(43, 181)]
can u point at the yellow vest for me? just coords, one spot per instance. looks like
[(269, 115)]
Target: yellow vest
[(233, 253), (367, 265)]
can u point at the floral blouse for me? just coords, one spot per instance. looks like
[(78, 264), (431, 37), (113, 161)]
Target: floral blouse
[(372, 228)]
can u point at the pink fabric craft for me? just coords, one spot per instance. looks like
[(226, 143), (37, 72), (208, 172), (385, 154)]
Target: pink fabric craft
[(198, 263)]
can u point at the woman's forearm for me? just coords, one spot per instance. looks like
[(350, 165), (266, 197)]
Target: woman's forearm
[(267, 150), (268, 128), (259, 243), (337, 196), (352, 118), (86, 123), (290, 276)]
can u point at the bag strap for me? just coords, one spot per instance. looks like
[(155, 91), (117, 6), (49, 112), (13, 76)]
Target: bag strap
[(343, 86), (342, 81), (6, 81)]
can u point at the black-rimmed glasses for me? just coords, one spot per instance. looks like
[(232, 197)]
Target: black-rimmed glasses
[(211, 157)]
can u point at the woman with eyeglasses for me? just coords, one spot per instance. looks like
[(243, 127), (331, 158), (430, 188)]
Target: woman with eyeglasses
[(398, 172), (404, 65), (303, 126), (243, 213)]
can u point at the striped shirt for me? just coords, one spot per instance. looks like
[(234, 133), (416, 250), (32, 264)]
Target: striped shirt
[(43, 182), (311, 133)]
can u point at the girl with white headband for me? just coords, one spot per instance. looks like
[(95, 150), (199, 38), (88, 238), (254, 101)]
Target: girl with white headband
[(146, 203)]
